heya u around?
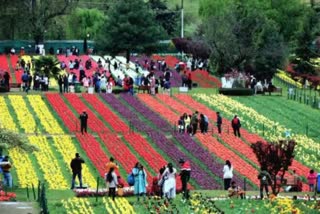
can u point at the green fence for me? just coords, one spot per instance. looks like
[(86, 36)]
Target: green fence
[(29, 46)]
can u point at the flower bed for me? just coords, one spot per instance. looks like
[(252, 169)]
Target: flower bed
[(210, 142), (45, 157), (7, 196), (167, 146), (24, 169), (63, 144)]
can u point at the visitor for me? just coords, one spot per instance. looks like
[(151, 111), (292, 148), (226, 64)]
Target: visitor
[(235, 191), (25, 80), (181, 125), (152, 85), (235, 123), (5, 167), (85, 82), (83, 121), (184, 79), (169, 183), (112, 181), (187, 120), (6, 78), (202, 124), (194, 123), (103, 84), (76, 166), (65, 84), (219, 122), (265, 180), (189, 81), (227, 174), (109, 85), (312, 179), (111, 164), (60, 83), (185, 177), (140, 181), (157, 187)]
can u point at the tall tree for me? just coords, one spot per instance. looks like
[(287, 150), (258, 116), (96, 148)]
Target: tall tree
[(164, 16), (276, 157), (88, 21), (41, 12), (131, 26)]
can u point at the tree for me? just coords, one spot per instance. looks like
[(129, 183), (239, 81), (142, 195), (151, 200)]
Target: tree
[(48, 65), (41, 12), (9, 140), (131, 26), (164, 16), (88, 21), (244, 37), (275, 157)]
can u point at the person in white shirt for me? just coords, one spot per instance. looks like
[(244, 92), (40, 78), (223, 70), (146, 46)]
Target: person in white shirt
[(109, 86), (227, 174), (112, 180), (169, 181)]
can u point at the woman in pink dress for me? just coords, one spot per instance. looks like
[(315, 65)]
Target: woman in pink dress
[(86, 82)]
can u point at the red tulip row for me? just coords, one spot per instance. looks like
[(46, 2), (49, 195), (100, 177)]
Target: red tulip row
[(117, 148), (233, 141), (88, 142), (210, 142), (122, 153), (94, 151), (111, 118)]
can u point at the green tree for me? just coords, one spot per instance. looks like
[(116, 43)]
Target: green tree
[(48, 65), (87, 21), (41, 12), (276, 158), (164, 16), (9, 139), (131, 26)]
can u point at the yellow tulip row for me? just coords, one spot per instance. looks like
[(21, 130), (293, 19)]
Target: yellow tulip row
[(307, 149), (119, 206), (62, 143), (45, 157), (284, 76), (282, 205), (24, 169), (77, 206)]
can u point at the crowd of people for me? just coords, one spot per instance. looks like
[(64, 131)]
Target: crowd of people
[(163, 185)]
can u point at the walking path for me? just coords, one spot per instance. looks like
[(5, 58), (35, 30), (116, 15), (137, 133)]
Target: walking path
[(19, 208)]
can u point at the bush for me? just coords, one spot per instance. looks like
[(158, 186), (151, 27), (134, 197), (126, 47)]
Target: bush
[(236, 91)]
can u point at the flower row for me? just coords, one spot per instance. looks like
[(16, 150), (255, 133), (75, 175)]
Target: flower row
[(45, 157), (21, 161), (209, 141), (88, 143), (249, 117), (62, 143), (77, 205)]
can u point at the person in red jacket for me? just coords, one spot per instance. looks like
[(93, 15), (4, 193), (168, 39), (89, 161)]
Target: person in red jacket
[(185, 177), (235, 123)]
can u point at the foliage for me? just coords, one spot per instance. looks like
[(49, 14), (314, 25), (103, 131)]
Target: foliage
[(88, 22), (245, 39), (198, 48), (11, 139), (275, 158), (165, 17), (131, 26), (48, 65)]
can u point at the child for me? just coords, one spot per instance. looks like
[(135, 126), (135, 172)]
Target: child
[(112, 180), (235, 191), (120, 186)]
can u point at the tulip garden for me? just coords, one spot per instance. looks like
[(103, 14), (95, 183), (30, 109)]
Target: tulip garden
[(143, 128)]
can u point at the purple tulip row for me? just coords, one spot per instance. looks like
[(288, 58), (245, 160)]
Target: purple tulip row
[(200, 176), (185, 140)]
